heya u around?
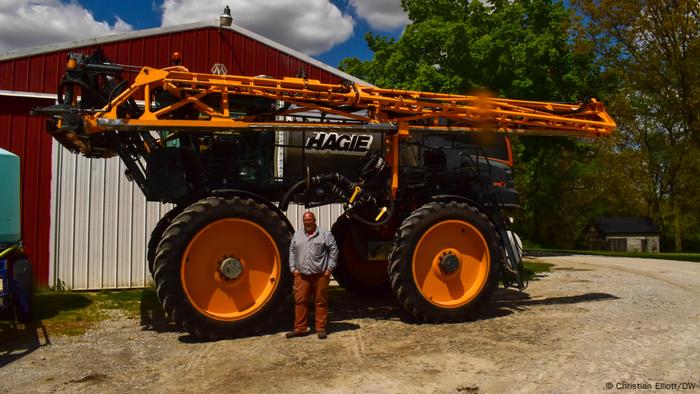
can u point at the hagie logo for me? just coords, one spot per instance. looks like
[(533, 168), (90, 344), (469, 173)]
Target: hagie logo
[(339, 142)]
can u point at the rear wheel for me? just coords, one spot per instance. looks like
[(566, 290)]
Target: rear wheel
[(221, 267), (355, 272), (157, 235), (445, 262)]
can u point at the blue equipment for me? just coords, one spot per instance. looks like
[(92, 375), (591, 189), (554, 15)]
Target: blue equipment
[(16, 279)]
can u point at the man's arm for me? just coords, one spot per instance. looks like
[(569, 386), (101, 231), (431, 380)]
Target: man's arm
[(292, 256), (332, 253)]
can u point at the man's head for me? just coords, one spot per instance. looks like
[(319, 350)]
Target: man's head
[(309, 222)]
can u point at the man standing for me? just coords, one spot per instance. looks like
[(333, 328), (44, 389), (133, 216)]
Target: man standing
[(313, 255)]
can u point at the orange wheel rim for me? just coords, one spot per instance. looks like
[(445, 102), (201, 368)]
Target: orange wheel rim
[(451, 263), (230, 269), (368, 272)]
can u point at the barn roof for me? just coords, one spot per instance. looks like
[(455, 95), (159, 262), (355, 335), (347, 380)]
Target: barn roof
[(609, 225), (20, 53)]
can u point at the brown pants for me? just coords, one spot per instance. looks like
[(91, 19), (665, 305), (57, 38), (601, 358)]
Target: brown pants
[(304, 286)]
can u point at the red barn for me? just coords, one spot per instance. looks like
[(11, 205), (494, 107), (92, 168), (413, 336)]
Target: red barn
[(84, 226)]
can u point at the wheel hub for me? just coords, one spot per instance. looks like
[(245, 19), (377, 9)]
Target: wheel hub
[(230, 268), (448, 263)]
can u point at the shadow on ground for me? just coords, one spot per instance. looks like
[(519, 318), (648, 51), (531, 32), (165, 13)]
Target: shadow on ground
[(345, 306), (19, 340), (513, 300), (151, 313), (505, 302)]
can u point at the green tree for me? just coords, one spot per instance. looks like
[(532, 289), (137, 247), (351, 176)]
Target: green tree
[(653, 49), (518, 49)]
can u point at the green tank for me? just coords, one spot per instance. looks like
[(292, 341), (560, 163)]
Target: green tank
[(10, 230)]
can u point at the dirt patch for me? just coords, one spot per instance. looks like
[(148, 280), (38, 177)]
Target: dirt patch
[(592, 321)]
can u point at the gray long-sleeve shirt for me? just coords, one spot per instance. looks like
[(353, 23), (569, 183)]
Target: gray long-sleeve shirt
[(313, 254)]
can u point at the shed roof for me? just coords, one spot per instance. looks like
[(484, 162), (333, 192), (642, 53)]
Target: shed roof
[(609, 225)]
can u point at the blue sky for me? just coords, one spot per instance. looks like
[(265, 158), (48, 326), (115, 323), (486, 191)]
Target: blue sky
[(329, 30), (145, 14)]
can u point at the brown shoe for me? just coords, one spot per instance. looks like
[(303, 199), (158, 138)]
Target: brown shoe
[(295, 334), (322, 335)]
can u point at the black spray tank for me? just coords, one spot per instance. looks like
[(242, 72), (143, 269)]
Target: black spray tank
[(325, 151)]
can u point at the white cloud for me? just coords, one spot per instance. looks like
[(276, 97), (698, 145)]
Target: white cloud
[(308, 26), (28, 23), (382, 15)]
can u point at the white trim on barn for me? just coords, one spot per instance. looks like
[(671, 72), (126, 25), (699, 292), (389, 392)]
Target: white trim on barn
[(12, 93)]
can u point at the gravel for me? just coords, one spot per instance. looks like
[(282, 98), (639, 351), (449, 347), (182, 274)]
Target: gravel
[(593, 324)]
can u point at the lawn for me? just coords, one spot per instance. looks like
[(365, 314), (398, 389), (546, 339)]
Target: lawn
[(693, 257), (534, 268), (72, 312)]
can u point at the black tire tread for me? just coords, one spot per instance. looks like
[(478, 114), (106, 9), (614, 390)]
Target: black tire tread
[(167, 266), (400, 270), (157, 235), (344, 277)]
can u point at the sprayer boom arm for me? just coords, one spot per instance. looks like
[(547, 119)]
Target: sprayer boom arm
[(345, 105)]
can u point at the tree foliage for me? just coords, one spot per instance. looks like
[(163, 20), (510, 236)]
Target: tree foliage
[(518, 49), (653, 49)]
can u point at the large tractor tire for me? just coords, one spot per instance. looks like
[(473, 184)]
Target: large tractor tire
[(221, 268), (354, 272), (157, 235), (445, 263)]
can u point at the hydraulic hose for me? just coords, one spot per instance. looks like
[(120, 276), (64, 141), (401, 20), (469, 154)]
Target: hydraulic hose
[(340, 186), (287, 198), (82, 84), (389, 215), (335, 180)]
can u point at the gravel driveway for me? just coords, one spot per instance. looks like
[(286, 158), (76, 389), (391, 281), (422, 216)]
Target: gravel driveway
[(593, 323)]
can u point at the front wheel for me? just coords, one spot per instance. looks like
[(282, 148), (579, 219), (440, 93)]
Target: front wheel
[(445, 263), (221, 267)]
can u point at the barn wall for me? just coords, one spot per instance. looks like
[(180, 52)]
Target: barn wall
[(23, 135)]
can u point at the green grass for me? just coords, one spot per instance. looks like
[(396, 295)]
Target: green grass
[(534, 268), (693, 257), (72, 313)]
